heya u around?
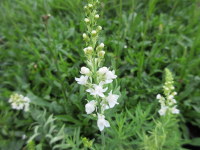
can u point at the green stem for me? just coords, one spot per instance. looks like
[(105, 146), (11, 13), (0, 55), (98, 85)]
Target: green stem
[(103, 140)]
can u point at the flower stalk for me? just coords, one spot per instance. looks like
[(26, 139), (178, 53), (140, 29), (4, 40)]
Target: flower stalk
[(94, 76), (168, 102)]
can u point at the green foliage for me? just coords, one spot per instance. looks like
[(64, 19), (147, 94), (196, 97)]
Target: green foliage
[(165, 136), (142, 38), (31, 145)]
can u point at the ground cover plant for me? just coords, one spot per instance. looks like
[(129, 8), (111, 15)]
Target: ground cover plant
[(152, 45)]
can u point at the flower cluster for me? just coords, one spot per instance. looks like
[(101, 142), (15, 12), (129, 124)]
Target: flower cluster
[(168, 102), (96, 77), (19, 102)]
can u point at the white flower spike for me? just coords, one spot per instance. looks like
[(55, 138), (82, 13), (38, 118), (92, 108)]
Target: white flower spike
[(168, 103), (94, 76)]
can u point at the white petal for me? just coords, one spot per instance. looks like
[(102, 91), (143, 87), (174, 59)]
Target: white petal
[(106, 123), (101, 127)]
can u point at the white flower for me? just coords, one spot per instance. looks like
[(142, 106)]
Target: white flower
[(163, 110), (85, 70), (172, 102), (158, 96), (86, 20), (26, 99), (19, 102), (101, 53), (174, 93), (112, 99), (102, 123), (97, 90), (174, 110), (110, 75), (90, 107), (96, 16), (103, 70), (82, 80), (24, 136), (170, 97), (104, 107)]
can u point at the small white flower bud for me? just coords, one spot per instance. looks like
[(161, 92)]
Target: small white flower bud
[(94, 32), (85, 7), (85, 70), (96, 16), (90, 5), (103, 70), (158, 96), (84, 35), (90, 48), (101, 45), (86, 20), (99, 28), (101, 54)]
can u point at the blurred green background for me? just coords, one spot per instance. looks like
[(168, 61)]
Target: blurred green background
[(41, 58)]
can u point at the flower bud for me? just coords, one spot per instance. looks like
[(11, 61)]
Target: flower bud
[(103, 70), (158, 96), (101, 54), (174, 93), (94, 32), (85, 70), (86, 20), (88, 50), (90, 5), (85, 35), (96, 16), (172, 88), (101, 45), (99, 28)]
